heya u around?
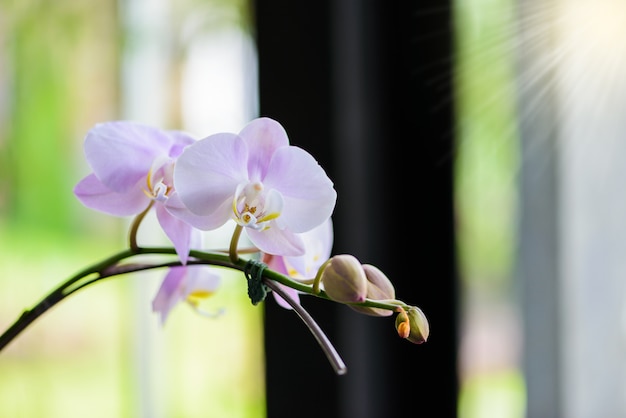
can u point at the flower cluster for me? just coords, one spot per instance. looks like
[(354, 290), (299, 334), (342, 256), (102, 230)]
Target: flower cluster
[(273, 192)]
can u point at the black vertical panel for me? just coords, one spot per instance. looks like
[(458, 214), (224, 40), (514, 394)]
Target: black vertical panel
[(294, 84), (366, 88)]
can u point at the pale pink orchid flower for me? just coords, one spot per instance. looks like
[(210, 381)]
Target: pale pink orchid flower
[(318, 244), (274, 190), (133, 166), (189, 284)]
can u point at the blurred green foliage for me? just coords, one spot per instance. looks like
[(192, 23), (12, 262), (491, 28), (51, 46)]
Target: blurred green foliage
[(53, 53), (101, 352), (486, 167), (487, 150)]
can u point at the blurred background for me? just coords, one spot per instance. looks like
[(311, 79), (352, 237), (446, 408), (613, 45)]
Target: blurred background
[(66, 66), (539, 88)]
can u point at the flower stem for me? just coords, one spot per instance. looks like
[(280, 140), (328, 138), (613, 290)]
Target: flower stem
[(318, 276), (234, 241), (333, 357), (111, 266), (134, 228), (57, 295)]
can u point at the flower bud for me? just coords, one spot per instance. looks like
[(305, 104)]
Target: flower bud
[(379, 287), (418, 328), (344, 279), (403, 328)]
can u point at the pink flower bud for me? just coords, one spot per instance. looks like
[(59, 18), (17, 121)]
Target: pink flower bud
[(379, 287), (344, 279)]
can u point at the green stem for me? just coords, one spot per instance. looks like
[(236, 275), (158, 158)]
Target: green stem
[(110, 267), (318, 276), (134, 228), (57, 295), (234, 241)]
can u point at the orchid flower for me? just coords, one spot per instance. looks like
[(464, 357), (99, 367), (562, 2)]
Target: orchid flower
[(184, 284), (275, 191), (132, 168), (318, 244)]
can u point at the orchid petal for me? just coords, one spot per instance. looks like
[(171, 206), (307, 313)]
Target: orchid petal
[(178, 231), (95, 195), (318, 243), (181, 140), (208, 172), (180, 283), (121, 153), (277, 263), (168, 294), (308, 193), (276, 241), (176, 207), (201, 279), (263, 136)]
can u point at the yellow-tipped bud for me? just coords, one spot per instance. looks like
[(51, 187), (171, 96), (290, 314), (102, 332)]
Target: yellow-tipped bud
[(379, 287), (403, 328), (344, 279), (417, 324)]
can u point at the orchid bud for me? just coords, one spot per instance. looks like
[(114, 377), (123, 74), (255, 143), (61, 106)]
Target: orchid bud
[(344, 279), (379, 287), (414, 321)]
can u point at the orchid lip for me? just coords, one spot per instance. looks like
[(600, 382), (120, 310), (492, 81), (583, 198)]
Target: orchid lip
[(253, 207), (160, 192)]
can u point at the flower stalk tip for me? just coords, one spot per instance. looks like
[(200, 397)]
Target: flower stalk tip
[(412, 325)]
